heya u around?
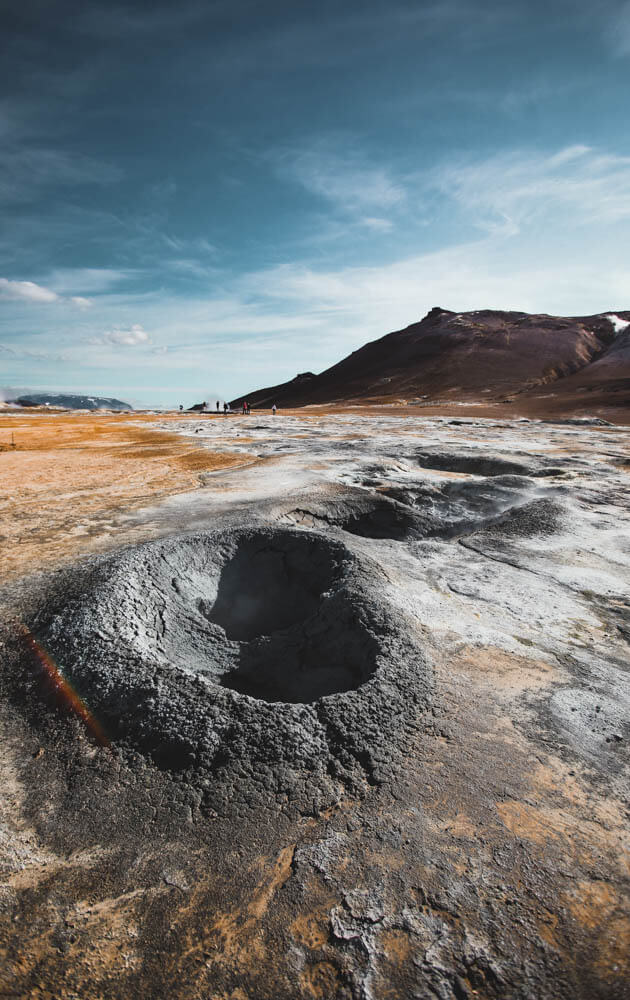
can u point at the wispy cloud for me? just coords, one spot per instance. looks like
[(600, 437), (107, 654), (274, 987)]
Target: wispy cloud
[(502, 194), (355, 304), (30, 291), (190, 268), (345, 179), (376, 224), (134, 336), (75, 280), (511, 190), (24, 354), (27, 291)]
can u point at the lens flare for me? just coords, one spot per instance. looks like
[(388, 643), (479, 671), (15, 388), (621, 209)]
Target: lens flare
[(63, 689)]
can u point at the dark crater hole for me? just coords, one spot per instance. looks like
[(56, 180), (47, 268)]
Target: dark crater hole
[(385, 519), (301, 671), (287, 601), (265, 587), (477, 464)]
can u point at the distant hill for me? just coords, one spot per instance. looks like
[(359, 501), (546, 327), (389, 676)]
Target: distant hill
[(482, 356), (71, 402)]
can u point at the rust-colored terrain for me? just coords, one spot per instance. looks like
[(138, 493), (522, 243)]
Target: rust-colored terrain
[(65, 476)]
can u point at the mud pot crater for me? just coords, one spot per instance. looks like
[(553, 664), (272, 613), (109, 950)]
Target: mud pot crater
[(264, 664), (450, 510), (476, 463)]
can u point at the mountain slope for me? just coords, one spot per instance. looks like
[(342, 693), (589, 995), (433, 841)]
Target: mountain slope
[(486, 355), (69, 401)]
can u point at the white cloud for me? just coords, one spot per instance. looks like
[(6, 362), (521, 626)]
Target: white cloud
[(30, 291), (376, 224), (512, 190), (342, 177), (567, 154), (135, 336), (70, 281), (355, 304), (502, 194), (26, 291)]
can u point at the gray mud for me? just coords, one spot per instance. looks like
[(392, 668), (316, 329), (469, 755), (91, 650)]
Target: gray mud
[(479, 464), (242, 658), (449, 510)]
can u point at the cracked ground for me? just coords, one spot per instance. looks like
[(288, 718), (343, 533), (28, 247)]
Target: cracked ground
[(449, 821)]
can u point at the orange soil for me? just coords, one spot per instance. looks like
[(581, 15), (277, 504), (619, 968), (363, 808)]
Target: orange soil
[(70, 475)]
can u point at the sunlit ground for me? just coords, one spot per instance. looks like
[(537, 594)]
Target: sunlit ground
[(68, 475)]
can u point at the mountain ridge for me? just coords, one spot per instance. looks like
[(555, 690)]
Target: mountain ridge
[(485, 355), (70, 401)]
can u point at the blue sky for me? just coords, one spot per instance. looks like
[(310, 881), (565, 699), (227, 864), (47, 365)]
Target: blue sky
[(207, 197)]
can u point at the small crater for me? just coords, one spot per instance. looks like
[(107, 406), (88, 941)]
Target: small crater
[(374, 516), (475, 464), (241, 656), (455, 508), (385, 519)]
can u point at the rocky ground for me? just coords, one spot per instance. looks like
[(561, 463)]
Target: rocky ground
[(349, 721)]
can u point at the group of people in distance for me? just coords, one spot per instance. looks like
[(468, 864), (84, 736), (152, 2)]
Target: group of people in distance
[(226, 407), (247, 408)]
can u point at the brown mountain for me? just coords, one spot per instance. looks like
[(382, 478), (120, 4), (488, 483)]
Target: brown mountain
[(604, 383), (484, 356)]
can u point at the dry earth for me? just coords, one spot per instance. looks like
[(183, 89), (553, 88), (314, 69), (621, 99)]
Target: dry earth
[(66, 477), (451, 822)]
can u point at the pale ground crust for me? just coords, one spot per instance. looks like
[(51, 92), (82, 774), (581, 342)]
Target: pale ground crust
[(369, 899)]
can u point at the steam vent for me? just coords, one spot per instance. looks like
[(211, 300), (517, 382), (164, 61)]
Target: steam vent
[(242, 657)]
